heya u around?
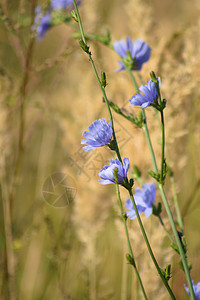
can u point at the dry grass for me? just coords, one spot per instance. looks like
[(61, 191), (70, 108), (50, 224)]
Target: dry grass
[(77, 251)]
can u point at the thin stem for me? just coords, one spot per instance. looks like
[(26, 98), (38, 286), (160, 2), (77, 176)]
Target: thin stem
[(178, 213), (139, 180), (146, 131), (178, 241), (149, 248), (128, 241), (163, 148), (144, 127), (117, 149), (99, 81), (175, 198), (166, 204)]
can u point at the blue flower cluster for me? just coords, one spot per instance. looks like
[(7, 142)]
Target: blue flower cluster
[(144, 200), (43, 21), (100, 133), (133, 55), (196, 288)]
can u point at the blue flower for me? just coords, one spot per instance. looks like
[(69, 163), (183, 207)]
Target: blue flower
[(62, 4), (144, 200), (100, 134), (133, 53), (42, 23), (107, 173), (150, 95), (196, 288)]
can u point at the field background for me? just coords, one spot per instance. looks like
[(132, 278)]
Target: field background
[(75, 249)]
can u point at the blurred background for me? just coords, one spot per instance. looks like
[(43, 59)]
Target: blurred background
[(61, 235)]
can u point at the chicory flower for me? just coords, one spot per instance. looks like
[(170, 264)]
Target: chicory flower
[(144, 200), (107, 173), (150, 96), (100, 134), (133, 54)]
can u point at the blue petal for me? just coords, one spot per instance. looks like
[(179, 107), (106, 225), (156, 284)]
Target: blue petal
[(148, 212), (126, 165), (147, 91), (129, 204), (105, 181), (88, 148), (120, 47), (122, 67), (146, 104), (138, 100), (137, 47), (129, 45)]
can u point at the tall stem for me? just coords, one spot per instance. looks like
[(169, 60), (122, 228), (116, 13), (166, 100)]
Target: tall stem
[(144, 127), (165, 202), (139, 180), (175, 198), (99, 81), (117, 149), (129, 243), (149, 248), (163, 148)]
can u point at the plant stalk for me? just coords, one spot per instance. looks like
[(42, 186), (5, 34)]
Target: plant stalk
[(128, 241)]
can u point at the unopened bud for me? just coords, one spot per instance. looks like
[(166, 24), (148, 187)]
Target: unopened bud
[(153, 77), (74, 15), (103, 79), (84, 46), (130, 259)]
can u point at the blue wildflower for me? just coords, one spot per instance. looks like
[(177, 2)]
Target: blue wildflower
[(196, 288), (42, 22), (135, 54), (150, 96), (100, 134), (107, 173), (144, 200), (62, 4)]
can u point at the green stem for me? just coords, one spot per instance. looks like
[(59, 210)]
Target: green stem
[(139, 180), (149, 248), (165, 202), (128, 241), (114, 137), (163, 148), (175, 198), (178, 213), (178, 241), (99, 81), (144, 127)]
